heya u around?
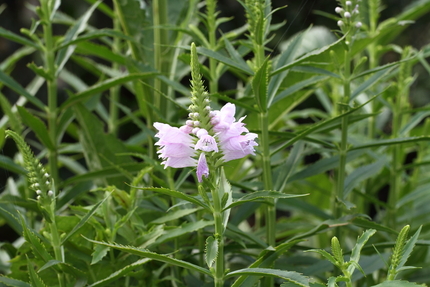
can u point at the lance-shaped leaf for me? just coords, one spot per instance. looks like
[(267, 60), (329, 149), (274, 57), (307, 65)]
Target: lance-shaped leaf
[(211, 251), (262, 196), (290, 276), (155, 256), (259, 83), (177, 194)]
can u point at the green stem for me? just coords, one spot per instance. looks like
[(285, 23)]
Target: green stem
[(219, 235), (343, 148), (267, 179), (211, 20), (52, 92), (56, 243), (114, 91), (159, 8)]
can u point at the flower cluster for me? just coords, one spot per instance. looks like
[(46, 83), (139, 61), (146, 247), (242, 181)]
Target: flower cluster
[(348, 14), (222, 137)]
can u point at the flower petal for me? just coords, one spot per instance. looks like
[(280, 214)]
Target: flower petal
[(202, 167)]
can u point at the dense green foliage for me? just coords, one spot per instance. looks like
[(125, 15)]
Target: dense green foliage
[(336, 195)]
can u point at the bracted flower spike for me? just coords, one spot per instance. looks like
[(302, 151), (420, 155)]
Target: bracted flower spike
[(206, 135)]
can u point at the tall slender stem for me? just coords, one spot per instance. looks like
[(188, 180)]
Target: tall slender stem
[(211, 20), (52, 91), (159, 8), (219, 235), (343, 148)]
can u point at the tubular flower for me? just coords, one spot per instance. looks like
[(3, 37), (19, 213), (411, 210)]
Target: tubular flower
[(176, 146), (235, 140), (181, 147)]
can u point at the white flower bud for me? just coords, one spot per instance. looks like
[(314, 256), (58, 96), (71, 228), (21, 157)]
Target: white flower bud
[(50, 193), (340, 23), (358, 25), (47, 182), (46, 175), (208, 108), (195, 130), (207, 100), (196, 115), (348, 3), (347, 15), (196, 123), (338, 10), (38, 192), (38, 197), (189, 123)]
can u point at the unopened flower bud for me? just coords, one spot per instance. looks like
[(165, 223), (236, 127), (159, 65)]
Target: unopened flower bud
[(207, 100), (208, 108), (50, 193), (46, 175), (196, 123), (47, 182), (189, 123), (38, 197), (358, 24), (347, 15), (38, 192), (338, 10), (340, 23), (195, 130), (348, 3), (196, 115)]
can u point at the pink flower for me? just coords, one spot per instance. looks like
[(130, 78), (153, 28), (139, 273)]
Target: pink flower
[(202, 167), (176, 146), (206, 142), (235, 140)]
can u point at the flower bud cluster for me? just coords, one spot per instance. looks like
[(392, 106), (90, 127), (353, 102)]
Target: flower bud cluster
[(349, 15)]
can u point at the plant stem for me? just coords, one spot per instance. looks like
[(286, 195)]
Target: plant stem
[(56, 243), (159, 9), (211, 20), (219, 235), (343, 148), (114, 91), (52, 92)]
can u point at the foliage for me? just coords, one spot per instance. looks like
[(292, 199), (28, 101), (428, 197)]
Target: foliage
[(341, 163)]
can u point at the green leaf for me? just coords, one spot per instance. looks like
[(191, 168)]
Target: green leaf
[(79, 26), (9, 164), (65, 267), (290, 276), (16, 38), (225, 60), (103, 86), (285, 170), (184, 229), (37, 126), (120, 273), (371, 81), (10, 214), (177, 194), (297, 87), (106, 32), (362, 173), (37, 246), (155, 256), (388, 142), (409, 246), (261, 196), (307, 57), (397, 283), (173, 215), (211, 251), (100, 251), (259, 85), (365, 223), (35, 280), (13, 282), (15, 86), (84, 220), (355, 254), (318, 126), (40, 71), (325, 254)]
